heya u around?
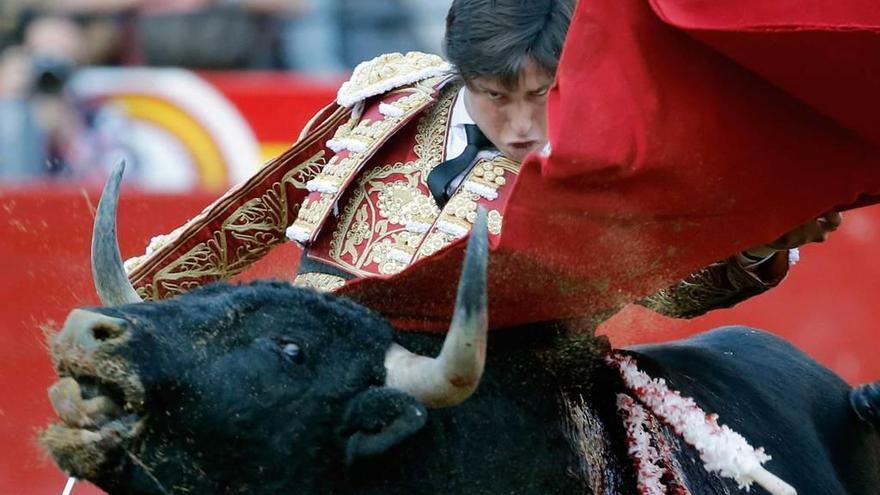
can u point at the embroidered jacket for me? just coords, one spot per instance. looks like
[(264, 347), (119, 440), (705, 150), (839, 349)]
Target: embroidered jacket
[(352, 191)]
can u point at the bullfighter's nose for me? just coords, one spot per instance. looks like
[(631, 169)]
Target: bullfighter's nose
[(88, 330)]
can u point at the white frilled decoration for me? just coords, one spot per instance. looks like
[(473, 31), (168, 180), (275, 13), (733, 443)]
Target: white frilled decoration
[(721, 449)]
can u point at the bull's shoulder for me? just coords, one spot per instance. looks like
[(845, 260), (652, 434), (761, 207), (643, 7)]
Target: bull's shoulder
[(779, 398), (749, 372), (745, 358), (387, 72)]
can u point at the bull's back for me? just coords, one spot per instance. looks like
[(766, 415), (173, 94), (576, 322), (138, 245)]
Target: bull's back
[(778, 398)]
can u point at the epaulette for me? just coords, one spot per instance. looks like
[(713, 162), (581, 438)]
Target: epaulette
[(387, 72)]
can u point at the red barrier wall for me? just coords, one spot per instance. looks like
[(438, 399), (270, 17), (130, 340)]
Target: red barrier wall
[(44, 255), (828, 306)]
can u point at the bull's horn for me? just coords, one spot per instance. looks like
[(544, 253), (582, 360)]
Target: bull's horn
[(450, 378), (110, 278)]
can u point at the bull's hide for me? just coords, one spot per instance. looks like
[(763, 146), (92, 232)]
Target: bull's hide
[(269, 389)]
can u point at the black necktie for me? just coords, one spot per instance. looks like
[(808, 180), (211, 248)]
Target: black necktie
[(443, 174)]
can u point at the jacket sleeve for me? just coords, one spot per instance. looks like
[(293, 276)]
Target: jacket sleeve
[(241, 226), (719, 285)]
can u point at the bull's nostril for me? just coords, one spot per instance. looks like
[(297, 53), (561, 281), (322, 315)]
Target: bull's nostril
[(104, 331), (86, 329)]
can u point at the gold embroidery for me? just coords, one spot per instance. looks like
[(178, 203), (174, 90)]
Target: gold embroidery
[(300, 175), (380, 255), (312, 211), (156, 243), (719, 285), (359, 233), (399, 203), (340, 170), (457, 217), (143, 276), (399, 210), (368, 132), (424, 93), (345, 129), (181, 276), (460, 212), (461, 208), (387, 72), (462, 220), (431, 133), (494, 222), (257, 226), (321, 282), (435, 242), (337, 170), (372, 219), (407, 243), (307, 129), (489, 175)]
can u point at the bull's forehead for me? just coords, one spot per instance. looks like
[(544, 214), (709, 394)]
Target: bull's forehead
[(229, 314)]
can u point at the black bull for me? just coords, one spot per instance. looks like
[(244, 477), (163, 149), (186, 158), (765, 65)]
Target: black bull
[(266, 388)]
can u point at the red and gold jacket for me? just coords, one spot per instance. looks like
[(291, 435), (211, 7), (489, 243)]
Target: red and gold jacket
[(352, 191)]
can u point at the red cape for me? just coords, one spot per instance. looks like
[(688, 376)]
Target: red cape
[(682, 132)]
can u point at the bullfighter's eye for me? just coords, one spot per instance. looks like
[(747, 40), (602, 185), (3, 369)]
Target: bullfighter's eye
[(293, 352)]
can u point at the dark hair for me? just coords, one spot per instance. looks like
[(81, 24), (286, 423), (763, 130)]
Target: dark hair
[(494, 38)]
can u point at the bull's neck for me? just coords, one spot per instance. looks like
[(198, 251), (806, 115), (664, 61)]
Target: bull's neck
[(543, 420)]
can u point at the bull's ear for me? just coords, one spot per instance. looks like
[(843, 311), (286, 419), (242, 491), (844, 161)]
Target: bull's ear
[(379, 419)]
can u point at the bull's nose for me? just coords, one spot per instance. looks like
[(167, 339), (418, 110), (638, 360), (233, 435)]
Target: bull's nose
[(88, 330)]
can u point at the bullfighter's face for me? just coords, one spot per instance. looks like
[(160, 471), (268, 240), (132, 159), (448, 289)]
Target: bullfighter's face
[(514, 119)]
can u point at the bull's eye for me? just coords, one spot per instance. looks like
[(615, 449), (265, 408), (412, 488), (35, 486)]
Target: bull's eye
[(293, 352)]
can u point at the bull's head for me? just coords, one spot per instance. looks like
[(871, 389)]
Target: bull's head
[(149, 390)]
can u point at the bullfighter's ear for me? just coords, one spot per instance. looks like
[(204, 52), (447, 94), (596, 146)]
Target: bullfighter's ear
[(379, 419)]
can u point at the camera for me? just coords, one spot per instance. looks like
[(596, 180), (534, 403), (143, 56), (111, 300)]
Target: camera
[(50, 74)]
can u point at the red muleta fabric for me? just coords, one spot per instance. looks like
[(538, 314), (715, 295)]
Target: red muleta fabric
[(682, 131)]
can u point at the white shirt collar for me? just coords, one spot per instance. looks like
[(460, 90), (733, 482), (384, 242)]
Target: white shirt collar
[(456, 138), (460, 115)]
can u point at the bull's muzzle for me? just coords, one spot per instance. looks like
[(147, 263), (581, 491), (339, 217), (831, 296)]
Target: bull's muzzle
[(98, 399)]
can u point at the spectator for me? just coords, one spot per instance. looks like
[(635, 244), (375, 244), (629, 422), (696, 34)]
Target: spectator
[(21, 139), (429, 22), (333, 36), (312, 42), (211, 34), (36, 122), (376, 27)]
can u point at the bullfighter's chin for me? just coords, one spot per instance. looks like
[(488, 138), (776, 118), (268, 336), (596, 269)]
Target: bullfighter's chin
[(94, 432)]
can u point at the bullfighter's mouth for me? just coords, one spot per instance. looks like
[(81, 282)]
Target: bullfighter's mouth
[(98, 400)]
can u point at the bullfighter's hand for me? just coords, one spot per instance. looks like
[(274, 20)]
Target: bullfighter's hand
[(816, 230)]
